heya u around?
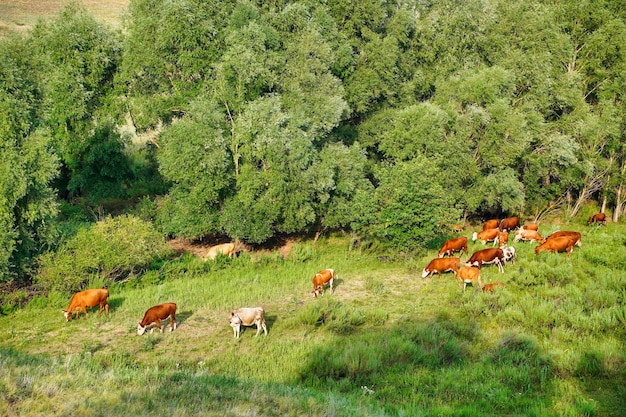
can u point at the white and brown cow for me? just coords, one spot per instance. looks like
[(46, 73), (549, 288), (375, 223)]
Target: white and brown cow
[(155, 314), (248, 316)]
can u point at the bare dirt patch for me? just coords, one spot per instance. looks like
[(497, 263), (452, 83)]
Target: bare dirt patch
[(282, 245)]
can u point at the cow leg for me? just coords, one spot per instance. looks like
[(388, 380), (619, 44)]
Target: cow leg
[(84, 311), (332, 288), (158, 324)]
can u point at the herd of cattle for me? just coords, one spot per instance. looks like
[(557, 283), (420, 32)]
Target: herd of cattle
[(245, 316), (495, 231)]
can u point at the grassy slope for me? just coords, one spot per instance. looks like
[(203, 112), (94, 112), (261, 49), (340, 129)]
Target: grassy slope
[(550, 343)]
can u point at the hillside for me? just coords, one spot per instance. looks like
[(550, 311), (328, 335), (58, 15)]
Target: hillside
[(387, 342)]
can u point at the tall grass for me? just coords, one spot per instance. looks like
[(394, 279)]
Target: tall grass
[(387, 342)]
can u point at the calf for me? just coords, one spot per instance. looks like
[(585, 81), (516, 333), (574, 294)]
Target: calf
[(527, 235), (248, 316), (155, 314), (598, 218), (439, 265), (492, 286), (509, 223), (509, 254), (320, 279), (487, 256), (502, 239), (469, 275), (489, 235), (88, 298), (557, 244), (452, 245)]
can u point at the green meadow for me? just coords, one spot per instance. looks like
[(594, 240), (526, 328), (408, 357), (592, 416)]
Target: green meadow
[(386, 343)]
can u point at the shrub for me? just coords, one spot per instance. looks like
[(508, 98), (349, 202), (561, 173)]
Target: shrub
[(110, 250)]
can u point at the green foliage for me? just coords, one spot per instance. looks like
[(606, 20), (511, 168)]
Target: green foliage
[(111, 249)]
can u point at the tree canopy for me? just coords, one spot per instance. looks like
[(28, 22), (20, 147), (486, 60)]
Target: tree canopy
[(385, 119)]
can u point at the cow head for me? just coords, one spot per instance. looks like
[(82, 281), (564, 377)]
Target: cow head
[(141, 329)]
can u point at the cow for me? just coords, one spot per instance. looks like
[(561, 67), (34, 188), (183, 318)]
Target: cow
[(530, 226), (469, 275), (557, 244), (487, 256), (492, 286), (154, 315), (509, 254), (491, 224), (439, 265), (574, 235), (598, 218), (227, 249), (527, 235), (489, 235), (88, 298), (321, 279), (248, 316), (452, 245), (509, 223), (502, 239)]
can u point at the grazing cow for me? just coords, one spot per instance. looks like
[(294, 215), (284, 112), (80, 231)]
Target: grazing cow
[(88, 298), (502, 239), (492, 286), (491, 224), (320, 279), (527, 235), (469, 275), (487, 256), (154, 315), (509, 223), (557, 244), (574, 235), (439, 265), (489, 235), (248, 316), (530, 226), (452, 245), (598, 218), (226, 249), (456, 228), (509, 254)]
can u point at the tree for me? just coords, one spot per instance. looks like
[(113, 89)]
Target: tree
[(27, 166)]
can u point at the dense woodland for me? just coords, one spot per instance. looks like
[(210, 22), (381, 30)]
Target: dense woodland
[(252, 119)]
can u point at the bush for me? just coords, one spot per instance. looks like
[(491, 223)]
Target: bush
[(109, 250)]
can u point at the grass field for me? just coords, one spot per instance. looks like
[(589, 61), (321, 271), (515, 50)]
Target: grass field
[(386, 343), (19, 15)]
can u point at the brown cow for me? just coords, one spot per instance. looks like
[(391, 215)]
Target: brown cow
[(88, 298), (469, 275), (491, 224), (574, 235), (502, 239), (557, 244), (509, 223), (492, 286), (530, 226), (489, 235), (439, 265), (321, 279), (452, 245), (155, 314), (487, 256), (598, 218), (527, 235), (247, 316)]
